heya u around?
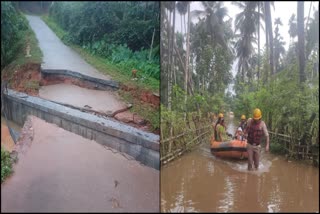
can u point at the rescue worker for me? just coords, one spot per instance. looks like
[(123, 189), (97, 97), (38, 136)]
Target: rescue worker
[(220, 130), (242, 125), (243, 122), (254, 131)]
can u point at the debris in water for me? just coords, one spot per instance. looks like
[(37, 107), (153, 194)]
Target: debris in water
[(115, 203), (86, 106), (116, 183)]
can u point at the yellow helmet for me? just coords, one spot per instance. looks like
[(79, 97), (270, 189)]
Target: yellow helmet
[(220, 115), (243, 117), (257, 114)]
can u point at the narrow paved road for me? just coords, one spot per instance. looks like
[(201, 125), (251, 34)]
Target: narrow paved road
[(56, 55), (64, 172)]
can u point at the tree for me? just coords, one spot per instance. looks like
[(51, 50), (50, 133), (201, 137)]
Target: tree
[(214, 13), (247, 22), (293, 31), (301, 48), (279, 50), (269, 33)]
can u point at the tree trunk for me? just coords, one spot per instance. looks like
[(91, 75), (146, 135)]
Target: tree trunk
[(267, 44), (269, 23), (154, 29), (300, 23), (173, 43), (169, 64), (258, 74), (187, 58)]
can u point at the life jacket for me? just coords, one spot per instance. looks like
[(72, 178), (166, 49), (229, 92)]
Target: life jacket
[(255, 133)]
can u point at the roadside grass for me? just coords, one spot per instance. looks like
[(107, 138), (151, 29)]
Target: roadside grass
[(117, 73), (146, 111), (122, 76), (6, 164), (21, 59), (32, 84)]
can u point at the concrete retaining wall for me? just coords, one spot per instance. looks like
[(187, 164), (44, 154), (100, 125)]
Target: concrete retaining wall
[(97, 83), (143, 146)]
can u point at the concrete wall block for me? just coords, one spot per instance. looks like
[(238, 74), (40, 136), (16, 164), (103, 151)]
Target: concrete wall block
[(57, 121), (153, 159), (66, 125), (134, 150), (107, 141), (83, 131), (89, 134)]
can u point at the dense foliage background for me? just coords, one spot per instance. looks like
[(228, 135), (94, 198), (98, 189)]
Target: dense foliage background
[(196, 67), (121, 32), (13, 26)]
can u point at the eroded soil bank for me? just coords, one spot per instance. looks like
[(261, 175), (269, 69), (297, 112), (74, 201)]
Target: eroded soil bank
[(77, 93)]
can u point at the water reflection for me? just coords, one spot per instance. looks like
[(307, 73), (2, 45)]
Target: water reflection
[(200, 182)]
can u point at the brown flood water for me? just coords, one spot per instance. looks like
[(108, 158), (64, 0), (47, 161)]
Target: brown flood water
[(6, 139), (102, 101), (200, 182), (64, 172)]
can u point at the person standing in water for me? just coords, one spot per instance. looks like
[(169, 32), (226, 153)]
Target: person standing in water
[(254, 131)]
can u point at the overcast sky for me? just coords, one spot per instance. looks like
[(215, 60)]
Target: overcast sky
[(282, 10)]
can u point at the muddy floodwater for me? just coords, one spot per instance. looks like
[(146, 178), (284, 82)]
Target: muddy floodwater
[(102, 101), (6, 139), (200, 182), (64, 172)]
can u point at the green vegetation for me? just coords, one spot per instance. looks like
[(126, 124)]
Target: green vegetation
[(149, 113), (120, 72), (6, 164), (196, 69), (13, 26), (32, 84), (14, 47), (116, 39)]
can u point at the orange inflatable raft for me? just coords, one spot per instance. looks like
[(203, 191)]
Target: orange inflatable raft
[(230, 149)]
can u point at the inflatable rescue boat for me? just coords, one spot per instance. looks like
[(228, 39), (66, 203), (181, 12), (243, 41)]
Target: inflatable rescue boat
[(229, 149)]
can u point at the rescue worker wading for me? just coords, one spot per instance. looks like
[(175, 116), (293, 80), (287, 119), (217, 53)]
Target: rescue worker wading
[(256, 128)]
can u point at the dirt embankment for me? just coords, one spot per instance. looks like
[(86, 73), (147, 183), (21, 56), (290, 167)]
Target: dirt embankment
[(27, 79), (143, 95)]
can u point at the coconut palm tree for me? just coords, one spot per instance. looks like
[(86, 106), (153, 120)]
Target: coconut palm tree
[(214, 13), (279, 50), (301, 48), (269, 33), (293, 31), (182, 7), (247, 22)]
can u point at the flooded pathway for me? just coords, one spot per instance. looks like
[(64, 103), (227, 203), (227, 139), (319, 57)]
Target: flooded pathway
[(56, 55), (200, 182), (64, 172), (6, 139), (102, 101)]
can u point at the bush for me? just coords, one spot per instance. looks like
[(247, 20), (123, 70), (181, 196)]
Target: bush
[(13, 24), (6, 164), (277, 148)]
